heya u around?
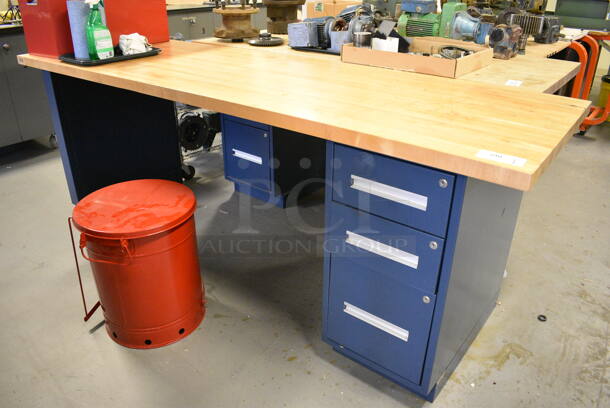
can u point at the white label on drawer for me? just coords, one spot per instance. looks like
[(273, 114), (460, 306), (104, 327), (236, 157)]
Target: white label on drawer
[(375, 321), (381, 249), (513, 82), (389, 193), (501, 158), (247, 156)]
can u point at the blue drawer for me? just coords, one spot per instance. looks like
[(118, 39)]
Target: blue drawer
[(412, 257), (374, 314), (247, 152), (394, 189)]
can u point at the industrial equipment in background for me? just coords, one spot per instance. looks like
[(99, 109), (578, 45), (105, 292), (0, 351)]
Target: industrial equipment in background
[(530, 24), (504, 41), (419, 18), (236, 20), (280, 13), (197, 129), (385, 8), (465, 27), (588, 14), (328, 34)]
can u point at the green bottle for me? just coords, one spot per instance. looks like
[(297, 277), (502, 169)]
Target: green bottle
[(99, 40)]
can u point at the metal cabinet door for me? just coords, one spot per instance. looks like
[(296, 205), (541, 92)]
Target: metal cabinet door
[(192, 25), (247, 153), (9, 129), (375, 315), (27, 90)]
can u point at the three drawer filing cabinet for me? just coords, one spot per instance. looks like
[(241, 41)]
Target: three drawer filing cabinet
[(268, 162), (414, 260)]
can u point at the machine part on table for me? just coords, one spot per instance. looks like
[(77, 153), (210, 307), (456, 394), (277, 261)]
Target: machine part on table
[(339, 25), (448, 12), (362, 39), (485, 15), (350, 12), (530, 24), (465, 27), (337, 39), (419, 19), (453, 52), (504, 16), (504, 41), (550, 31), (236, 20), (386, 8), (359, 24), (266, 40), (303, 35), (323, 26), (386, 27), (280, 13)]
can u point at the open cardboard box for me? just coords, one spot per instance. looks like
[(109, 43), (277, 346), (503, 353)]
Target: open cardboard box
[(451, 68)]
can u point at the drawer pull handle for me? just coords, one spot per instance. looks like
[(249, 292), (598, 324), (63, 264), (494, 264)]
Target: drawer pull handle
[(414, 200), (375, 321), (247, 156), (381, 249)]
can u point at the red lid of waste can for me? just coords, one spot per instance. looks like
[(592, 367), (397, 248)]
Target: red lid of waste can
[(134, 209)]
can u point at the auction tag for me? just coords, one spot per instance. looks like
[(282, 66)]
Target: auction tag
[(513, 82), (501, 158)]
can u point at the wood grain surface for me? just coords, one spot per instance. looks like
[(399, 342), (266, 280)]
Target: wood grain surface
[(439, 122)]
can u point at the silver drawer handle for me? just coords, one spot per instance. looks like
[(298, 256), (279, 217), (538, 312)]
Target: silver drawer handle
[(375, 321), (381, 249), (247, 156), (414, 200)]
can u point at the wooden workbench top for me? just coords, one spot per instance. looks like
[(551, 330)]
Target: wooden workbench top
[(532, 71), (439, 122)]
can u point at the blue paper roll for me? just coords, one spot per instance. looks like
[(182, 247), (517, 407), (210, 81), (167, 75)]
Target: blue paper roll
[(78, 12)]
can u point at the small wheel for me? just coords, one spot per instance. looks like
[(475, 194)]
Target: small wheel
[(53, 141), (188, 172), (582, 133)]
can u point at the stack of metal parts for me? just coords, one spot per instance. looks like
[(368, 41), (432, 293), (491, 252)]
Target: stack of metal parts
[(280, 13), (236, 20), (530, 24)]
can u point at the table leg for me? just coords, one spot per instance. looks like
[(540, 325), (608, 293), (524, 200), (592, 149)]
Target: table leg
[(107, 135)]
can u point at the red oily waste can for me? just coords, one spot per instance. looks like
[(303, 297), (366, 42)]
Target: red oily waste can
[(139, 237)]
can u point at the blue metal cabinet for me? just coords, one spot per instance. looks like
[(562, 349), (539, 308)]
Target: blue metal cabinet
[(247, 153), (269, 163), (405, 303), (374, 313), (410, 194), (412, 256)]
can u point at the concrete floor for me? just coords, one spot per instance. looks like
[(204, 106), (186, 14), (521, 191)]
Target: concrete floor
[(259, 345)]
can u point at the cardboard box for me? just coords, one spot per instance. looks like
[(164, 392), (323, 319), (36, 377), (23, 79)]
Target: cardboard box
[(450, 68), (327, 8), (319, 9)]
